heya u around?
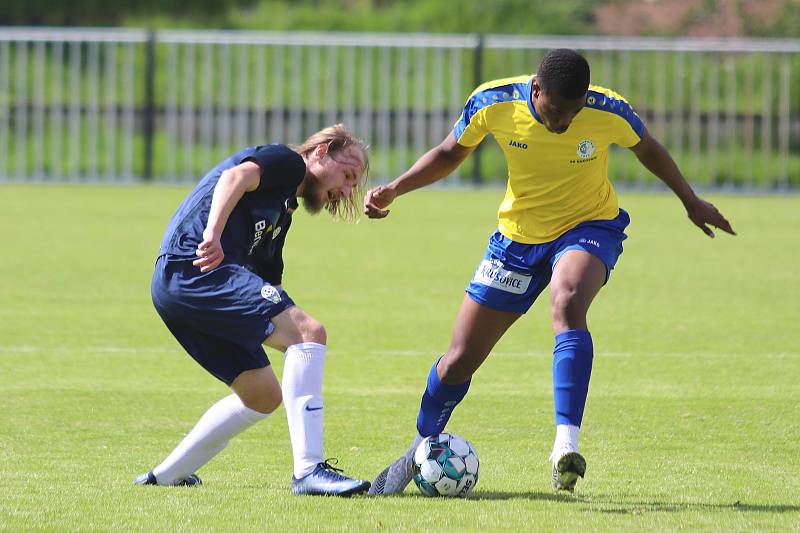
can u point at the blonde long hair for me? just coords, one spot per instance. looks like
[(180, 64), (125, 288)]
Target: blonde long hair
[(338, 138)]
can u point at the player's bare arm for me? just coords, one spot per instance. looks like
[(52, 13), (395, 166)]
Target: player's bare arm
[(437, 163), (232, 185), (657, 160)]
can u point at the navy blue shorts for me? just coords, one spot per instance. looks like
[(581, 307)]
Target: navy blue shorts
[(512, 275), (220, 317)]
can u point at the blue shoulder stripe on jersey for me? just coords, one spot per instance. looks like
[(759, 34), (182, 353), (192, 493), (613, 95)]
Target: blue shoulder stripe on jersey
[(485, 98), (603, 102)]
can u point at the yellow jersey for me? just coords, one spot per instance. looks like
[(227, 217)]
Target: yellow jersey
[(555, 181)]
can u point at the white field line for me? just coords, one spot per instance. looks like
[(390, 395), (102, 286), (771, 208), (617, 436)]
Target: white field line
[(404, 353), (102, 349)]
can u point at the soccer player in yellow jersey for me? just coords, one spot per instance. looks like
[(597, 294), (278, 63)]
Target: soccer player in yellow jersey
[(559, 224)]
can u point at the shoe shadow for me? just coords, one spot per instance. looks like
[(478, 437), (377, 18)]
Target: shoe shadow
[(620, 506), (540, 496)]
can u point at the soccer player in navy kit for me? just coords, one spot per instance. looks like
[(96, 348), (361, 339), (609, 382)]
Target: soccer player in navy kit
[(217, 287), (559, 224)]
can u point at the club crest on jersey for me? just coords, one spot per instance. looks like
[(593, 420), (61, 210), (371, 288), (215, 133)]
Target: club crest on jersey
[(585, 149), (268, 292), (492, 274)]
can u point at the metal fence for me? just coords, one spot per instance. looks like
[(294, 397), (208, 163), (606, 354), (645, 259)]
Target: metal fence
[(118, 105)]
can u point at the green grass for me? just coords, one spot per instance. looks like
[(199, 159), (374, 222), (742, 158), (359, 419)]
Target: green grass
[(691, 419)]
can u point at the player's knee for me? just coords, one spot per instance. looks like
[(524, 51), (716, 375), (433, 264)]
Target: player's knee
[(311, 330), (454, 367), (264, 400), (295, 326), (566, 307)]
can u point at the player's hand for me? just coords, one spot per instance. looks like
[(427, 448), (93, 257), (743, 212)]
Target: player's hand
[(701, 213), (377, 200), (209, 251)]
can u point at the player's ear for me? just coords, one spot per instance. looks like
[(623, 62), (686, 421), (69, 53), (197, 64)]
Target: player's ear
[(320, 150), (535, 88)]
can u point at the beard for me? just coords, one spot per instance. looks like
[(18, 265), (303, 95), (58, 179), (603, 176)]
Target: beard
[(313, 198)]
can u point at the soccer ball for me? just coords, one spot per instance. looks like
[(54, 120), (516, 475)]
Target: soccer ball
[(445, 465)]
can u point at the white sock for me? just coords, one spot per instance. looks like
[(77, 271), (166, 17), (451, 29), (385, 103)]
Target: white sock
[(224, 420), (566, 437), (302, 397)]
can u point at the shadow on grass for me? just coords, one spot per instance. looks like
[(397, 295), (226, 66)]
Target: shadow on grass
[(615, 506), (540, 496)]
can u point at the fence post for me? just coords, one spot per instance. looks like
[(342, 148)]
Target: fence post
[(477, 79), (149, 103)]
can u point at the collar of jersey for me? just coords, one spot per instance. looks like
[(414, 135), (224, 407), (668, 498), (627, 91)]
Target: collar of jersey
[(529, 90)]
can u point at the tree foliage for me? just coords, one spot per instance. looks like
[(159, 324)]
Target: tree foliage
[(108, 12), (495, 16), (564, 17)]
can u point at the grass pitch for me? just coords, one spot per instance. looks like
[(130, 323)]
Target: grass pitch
[(690, 423)]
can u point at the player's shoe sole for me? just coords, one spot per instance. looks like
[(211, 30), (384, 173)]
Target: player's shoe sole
[(395, 478), (567, 469)]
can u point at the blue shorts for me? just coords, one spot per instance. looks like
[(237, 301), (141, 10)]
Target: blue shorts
[(220, 317), (512, 275)]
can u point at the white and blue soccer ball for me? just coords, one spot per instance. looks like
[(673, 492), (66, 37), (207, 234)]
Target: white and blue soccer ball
[(446, 465)]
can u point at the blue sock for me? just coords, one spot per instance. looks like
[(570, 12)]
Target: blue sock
[(572, 368), (438, 403)]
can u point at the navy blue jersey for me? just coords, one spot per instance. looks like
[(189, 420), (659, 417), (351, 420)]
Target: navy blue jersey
[(257, 226)]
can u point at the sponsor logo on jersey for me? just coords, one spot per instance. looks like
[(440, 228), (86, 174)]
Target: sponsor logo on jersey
[(268, 292), (492, 274), (276, 232), (516, 144), (258, 231)]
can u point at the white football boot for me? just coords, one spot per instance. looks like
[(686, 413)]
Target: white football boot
[(568, 466), (396, 476)]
